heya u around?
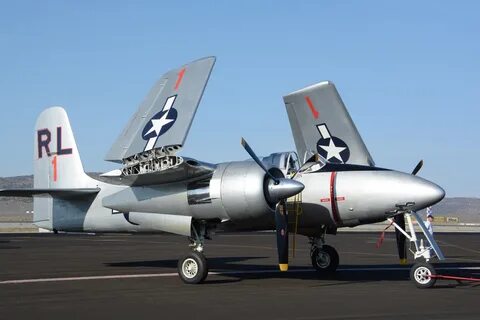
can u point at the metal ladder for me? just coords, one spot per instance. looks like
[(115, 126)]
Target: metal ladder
[(294, 208)]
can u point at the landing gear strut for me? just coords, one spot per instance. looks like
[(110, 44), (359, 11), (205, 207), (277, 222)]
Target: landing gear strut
[(421, 273), (324, 258), (193, 267)]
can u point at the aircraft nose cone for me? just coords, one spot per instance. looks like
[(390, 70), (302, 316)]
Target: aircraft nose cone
[(283, 190), (436, 193), (427, 193)]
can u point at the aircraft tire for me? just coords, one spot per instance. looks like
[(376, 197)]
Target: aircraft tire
[(420, 273), (325, 259), (192, 268)]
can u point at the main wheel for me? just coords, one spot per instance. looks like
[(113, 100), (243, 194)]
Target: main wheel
[(325, 259), (420, 275), (193, 268)]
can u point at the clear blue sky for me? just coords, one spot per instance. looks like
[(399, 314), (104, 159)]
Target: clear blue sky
[(409, 72)]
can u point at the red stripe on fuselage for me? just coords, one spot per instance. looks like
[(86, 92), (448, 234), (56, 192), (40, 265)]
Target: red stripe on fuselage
[(333, 199), (179, 79), (312, 107)]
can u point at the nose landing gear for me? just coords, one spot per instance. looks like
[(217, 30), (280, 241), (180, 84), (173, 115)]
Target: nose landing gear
[(421, 274)]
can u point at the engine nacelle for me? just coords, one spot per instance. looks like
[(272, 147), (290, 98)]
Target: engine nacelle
[(235, 191), (239, 188)]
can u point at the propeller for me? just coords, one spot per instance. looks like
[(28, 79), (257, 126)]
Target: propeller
[(401, 239), (277, 190), (417, 167), (281, 226), (257, 160)]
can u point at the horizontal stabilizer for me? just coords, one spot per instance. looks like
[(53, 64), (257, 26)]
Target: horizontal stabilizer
[(58, 192)]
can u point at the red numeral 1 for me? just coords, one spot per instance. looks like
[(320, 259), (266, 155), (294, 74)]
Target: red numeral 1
[(54, 163)]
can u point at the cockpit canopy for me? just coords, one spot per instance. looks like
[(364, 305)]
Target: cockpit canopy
[(287, 162)]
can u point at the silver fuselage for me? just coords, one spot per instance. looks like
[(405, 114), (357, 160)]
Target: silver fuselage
[(233, 196)]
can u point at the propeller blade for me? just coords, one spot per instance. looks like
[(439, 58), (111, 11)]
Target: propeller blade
[(257, 160), (281, 225), (417, 168), (401, 239), (276, 192)]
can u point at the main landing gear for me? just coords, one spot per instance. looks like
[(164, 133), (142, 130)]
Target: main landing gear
[(193, 267), (324, 258)]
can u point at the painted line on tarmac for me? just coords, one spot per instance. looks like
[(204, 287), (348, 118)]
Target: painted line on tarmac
[(175, 274), (118, 276)]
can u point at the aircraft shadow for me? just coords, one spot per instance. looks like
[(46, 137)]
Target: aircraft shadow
[(213, 263), (234, 271)]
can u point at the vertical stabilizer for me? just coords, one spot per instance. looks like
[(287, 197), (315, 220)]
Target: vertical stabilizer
[(56, 162)]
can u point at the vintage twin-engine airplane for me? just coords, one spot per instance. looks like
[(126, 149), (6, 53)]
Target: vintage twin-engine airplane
[(334, 183)]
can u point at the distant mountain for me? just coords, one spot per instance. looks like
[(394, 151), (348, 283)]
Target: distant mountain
[(16, 182), (466, 209), (15, 206)]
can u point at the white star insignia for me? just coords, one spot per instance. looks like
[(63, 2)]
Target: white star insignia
[(333, 151), (157, 124)]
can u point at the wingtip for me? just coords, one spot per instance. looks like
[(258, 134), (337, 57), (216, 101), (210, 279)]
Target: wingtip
[(243, 142), (309, 88), (283, 267)]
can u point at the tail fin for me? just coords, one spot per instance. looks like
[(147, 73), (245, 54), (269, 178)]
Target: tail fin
[(57, 165), (56, 159), (321, 124)]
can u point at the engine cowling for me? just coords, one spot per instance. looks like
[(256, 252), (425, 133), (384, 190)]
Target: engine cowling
[(239, 186)]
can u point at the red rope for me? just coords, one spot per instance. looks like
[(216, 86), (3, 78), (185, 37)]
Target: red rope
[(438, 276), (382, 235)]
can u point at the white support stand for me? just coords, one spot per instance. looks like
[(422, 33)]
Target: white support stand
[(420, 249)]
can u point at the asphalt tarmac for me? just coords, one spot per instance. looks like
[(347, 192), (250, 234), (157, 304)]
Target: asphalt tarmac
[(134, 277)]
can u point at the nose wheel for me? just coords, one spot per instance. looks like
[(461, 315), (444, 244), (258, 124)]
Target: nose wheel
[(193, 268), (325, 259), (421, 273)]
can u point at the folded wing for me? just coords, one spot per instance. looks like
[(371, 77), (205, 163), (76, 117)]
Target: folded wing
[(165, 116), (321, 125)]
